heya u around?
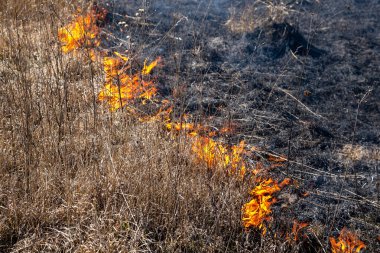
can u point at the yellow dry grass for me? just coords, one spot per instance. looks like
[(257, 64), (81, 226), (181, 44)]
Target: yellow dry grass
[(352, 153), (256, 15)]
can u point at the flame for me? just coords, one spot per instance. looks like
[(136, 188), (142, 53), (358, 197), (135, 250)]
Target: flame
[(219, 155), (163, 115), (124, 58), (237, 161), (258, 210), (209, 151), (82, 32), (148, 68), (191, 129), (114, 67), (212, 153), (296, 229), (180, 126), (120, 87), (347, 242)]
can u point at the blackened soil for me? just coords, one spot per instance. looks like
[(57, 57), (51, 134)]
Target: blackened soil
[(305, 87)]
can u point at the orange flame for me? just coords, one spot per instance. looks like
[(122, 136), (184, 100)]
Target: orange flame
[(258, 210), (209, 151), (120, 87), (219, 155), (163, 115), (296, 230), (180, 126), (237, 161), (82, 32), (347, 242), (212, 153)]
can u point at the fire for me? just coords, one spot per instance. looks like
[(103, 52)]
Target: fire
[(120, 87), (209, 151), (185, 125), (81, 33), (148, 68), (163, 114), (114, 67), (347, 242), (258, 210), (180, 126), (219, 155), (237, 158), (296, 230)]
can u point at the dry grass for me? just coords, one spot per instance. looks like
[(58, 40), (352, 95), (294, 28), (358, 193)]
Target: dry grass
[(257, 15), (356, 153)]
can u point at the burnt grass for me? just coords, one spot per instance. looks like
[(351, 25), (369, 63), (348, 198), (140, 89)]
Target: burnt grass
[(304, 87)]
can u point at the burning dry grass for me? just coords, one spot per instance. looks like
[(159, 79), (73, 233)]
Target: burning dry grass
[(121, 88), (347, 243), (71, 183), (81, 33), (257, 212), (78, 179), (297, 229)]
